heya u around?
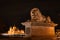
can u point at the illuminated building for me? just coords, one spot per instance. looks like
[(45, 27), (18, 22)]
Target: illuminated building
[(13, 30)]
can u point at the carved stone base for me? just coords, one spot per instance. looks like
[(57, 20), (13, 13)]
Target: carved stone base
[(42, 31)]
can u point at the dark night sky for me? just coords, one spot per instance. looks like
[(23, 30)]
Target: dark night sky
[(15, 12)]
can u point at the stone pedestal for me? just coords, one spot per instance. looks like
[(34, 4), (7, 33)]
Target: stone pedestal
[(43, 31)]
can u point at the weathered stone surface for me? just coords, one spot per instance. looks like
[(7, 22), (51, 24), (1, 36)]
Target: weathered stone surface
[(43, 31)]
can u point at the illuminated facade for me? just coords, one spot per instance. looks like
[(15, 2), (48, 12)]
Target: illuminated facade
[(13, 30)]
